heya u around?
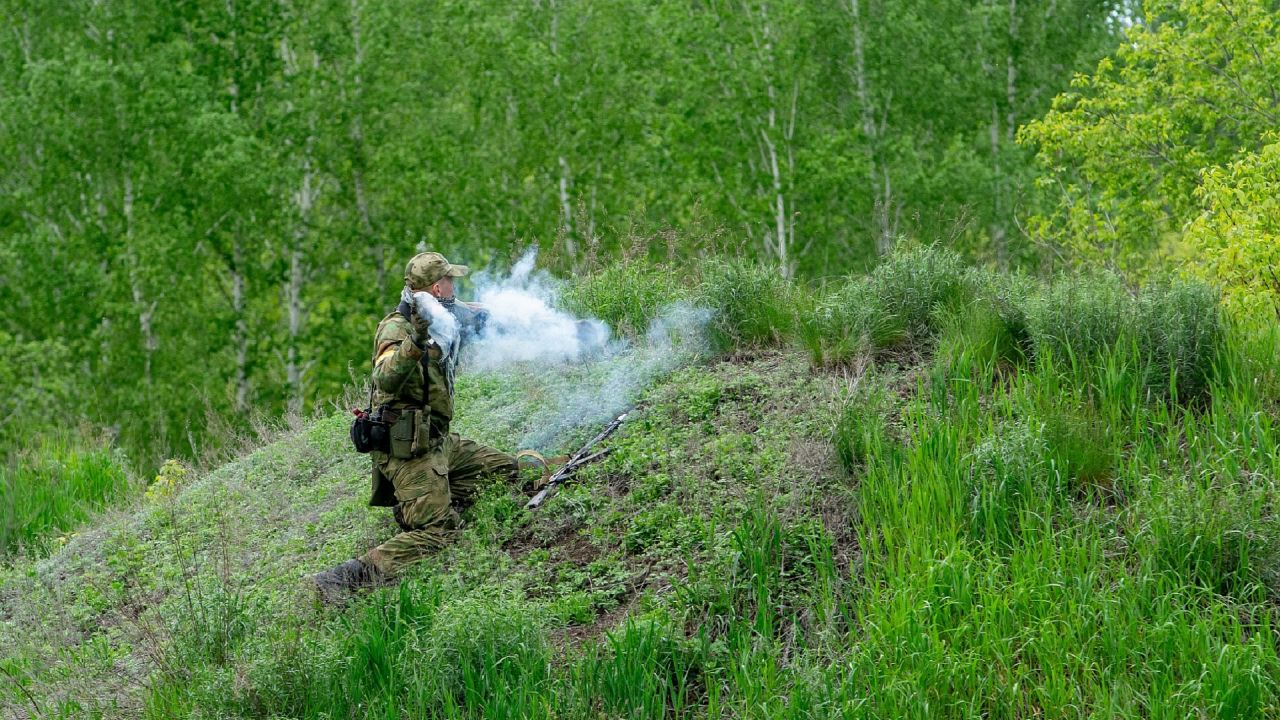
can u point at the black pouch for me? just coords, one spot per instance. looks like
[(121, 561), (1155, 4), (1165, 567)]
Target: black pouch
[(368, 434)]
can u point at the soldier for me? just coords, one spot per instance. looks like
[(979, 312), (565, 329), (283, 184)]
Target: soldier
[(428, 468)]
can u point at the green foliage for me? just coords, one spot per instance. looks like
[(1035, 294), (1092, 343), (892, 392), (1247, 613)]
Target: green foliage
[(627, 295), (54, 486), (751, 304), (1237, 237), (1172, 332), (860, 430), (205, 210), (1125, 149), (1224, 538), (645, 670), (904, 301)]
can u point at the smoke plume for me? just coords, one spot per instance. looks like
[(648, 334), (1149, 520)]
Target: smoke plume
[(591, 376), (524, 324)]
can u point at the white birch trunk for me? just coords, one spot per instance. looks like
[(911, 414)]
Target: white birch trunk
[(884, 212), (297, 313)]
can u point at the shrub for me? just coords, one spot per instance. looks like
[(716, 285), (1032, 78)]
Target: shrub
[(627, 295), (751, 305), (1173, 332), (914, 284), (903, 300), (1078, 318), (1179, 330)]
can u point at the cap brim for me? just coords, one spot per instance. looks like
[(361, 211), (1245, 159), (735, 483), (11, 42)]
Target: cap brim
[(456, 270)]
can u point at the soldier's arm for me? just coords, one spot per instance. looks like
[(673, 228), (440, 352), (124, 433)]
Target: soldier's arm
[(396, 356)]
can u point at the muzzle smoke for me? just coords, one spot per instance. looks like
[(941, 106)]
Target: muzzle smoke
[(592, 376), (525, 326)]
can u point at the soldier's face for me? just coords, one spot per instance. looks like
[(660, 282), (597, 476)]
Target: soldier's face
[(443, 288)]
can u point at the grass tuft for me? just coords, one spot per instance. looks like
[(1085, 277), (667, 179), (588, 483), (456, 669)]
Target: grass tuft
[(53, 487), (751, 305)]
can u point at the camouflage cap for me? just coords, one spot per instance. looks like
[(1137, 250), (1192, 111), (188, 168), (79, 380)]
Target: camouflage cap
[(426, 268)]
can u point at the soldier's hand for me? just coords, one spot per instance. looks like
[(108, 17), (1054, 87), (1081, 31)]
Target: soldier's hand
[(421, 333)]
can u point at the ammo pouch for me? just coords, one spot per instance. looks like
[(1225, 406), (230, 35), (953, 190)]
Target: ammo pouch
[(404, 434)]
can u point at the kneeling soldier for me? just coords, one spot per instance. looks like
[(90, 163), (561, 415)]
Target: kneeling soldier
[(427, 468)]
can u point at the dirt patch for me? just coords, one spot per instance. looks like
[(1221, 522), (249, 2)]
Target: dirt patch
[(567, 640)]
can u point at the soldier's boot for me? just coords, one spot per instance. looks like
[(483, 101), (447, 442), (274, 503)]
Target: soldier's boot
[(336, 583)]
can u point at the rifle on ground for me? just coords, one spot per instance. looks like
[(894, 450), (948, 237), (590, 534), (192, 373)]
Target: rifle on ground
[(580, 458)]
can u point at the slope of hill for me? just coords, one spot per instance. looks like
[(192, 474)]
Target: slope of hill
[(1025, 505)]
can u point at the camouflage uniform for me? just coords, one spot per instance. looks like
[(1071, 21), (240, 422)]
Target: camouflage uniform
[(445, 468)]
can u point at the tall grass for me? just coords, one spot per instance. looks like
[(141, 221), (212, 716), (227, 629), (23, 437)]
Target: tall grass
[(903, 301), (626, 294), (53, 486), (751, 305)]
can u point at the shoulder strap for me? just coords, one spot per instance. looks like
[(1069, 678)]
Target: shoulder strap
[(404, 309)]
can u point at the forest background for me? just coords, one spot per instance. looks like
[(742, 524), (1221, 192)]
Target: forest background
[(205, 205)]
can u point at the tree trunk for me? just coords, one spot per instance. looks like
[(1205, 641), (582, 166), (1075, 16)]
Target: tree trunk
[(240, 338), (295, 372), (879, 175), (358, 159)]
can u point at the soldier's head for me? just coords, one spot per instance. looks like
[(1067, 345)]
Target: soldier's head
[(430, 272)]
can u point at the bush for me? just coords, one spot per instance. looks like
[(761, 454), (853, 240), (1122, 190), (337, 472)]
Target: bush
[(751, 305), (627, 295), (1179, 330), (1172, 332), (904, 300), (914, 284), (1079, 318)]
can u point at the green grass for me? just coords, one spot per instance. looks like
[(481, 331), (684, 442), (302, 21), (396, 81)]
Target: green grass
[(627, 295), (1027, 500), (52, 487)]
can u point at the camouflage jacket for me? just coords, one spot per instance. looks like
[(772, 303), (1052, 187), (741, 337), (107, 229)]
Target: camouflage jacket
[(409, 375)]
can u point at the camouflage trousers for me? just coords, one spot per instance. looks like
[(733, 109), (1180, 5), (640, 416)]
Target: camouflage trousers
[(427, 486)]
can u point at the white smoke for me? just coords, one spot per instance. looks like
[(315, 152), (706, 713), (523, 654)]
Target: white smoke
[(675, 337), (526, 329), (525, 326), (442, 325)]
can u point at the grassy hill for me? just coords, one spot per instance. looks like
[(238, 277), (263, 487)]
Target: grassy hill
[(931, 492)]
